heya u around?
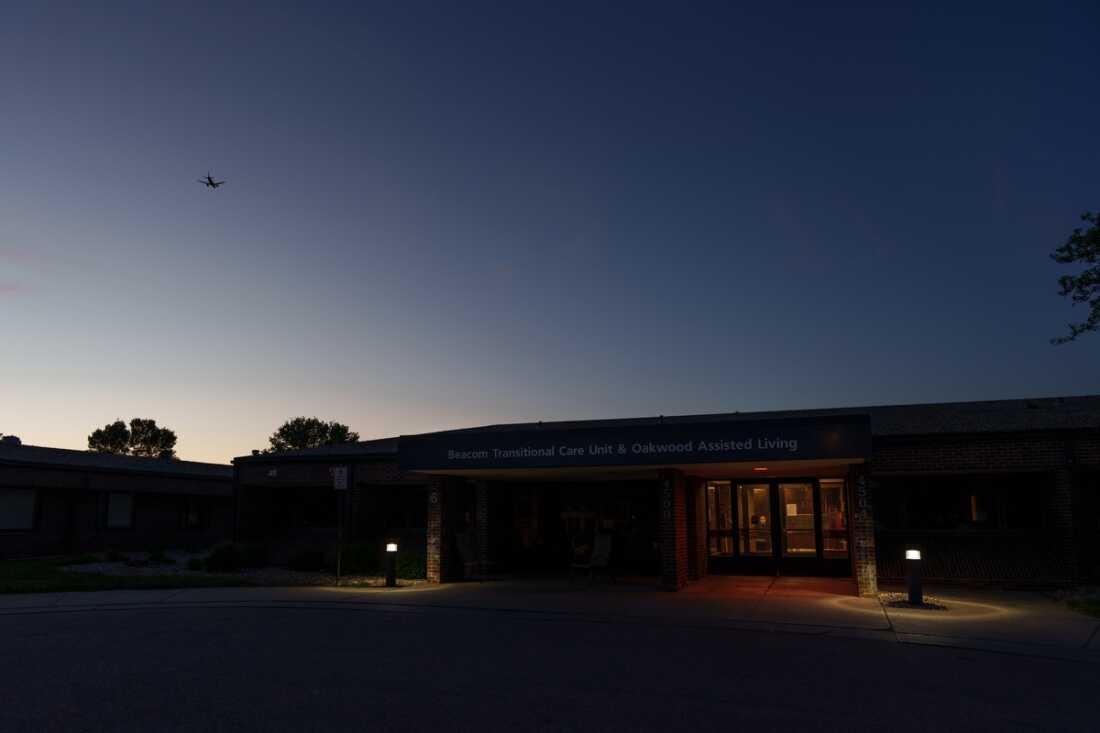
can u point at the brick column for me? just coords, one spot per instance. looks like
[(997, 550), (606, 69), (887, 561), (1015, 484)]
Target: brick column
[(481, 522), (672, 522), (696, 529), (1060, 511), (863, 531), (436, 560)]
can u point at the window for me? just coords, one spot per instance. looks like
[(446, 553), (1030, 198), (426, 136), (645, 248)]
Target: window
[(798, 520), (960, 503), (719, 519), (17, 508), (120, 511), (834, 518), (754, 519), (192, 514)]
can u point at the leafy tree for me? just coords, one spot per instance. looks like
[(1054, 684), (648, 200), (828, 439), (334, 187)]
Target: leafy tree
[(1082, 248), (111, 438), (150, 441), (142, 438), (309, 432)]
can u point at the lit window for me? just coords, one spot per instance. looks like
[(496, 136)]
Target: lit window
[(120, 511), (17, 508), (834, 518), (719, 519)]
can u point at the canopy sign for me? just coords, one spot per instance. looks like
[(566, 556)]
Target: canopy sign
[(843, 436)]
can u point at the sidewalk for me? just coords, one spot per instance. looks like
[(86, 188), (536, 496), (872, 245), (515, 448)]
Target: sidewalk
[(994, 621)]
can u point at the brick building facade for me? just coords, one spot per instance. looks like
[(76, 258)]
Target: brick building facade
[(1000, 492), (55, 501)]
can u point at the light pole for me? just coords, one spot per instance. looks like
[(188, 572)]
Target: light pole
[(391, 564), (912, 575)]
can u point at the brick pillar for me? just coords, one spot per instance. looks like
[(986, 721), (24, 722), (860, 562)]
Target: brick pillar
[(863, 531), (436, 561), (672, 522), (481, 522), (1060, 511), (696, 529)]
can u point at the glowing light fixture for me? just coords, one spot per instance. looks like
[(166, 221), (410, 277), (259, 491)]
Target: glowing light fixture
[(760, 468), (391, 564), (912, 577)]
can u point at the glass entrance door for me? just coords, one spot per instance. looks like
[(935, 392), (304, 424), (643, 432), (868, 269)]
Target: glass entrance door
[(796, 502), (754, 520), (789, 527)]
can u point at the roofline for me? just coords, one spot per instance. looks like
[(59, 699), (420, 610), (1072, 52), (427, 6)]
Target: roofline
[(795, 414), (317, 457), (776, 414), (105, 469), (1015, 431)]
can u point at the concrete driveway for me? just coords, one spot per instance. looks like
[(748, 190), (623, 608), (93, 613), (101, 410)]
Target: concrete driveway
[(1000, 621), (506, 657)]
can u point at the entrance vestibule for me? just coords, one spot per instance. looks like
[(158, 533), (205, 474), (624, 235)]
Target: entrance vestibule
[(778, 526)]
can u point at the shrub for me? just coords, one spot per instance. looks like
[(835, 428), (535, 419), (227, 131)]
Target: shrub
[(76, 559), (412, 566), (230, 557), (196, 563), (359, 558), (159, 556), (306, 559), (115, 556), (224, 559), (253, 555)]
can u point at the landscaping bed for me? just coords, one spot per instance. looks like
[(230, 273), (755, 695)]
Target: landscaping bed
[(223, 566), (901, 600), (1085, 600), (46, 575)]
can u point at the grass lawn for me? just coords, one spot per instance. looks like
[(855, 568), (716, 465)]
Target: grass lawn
[(1086, 605), (45, 575)]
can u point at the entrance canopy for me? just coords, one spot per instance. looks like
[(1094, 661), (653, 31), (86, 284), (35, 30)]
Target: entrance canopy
[(730, 448)]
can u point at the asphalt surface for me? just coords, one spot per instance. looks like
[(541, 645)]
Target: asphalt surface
[(398, 669)]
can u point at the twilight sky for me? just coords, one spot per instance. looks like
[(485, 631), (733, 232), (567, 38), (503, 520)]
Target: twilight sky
[(441, 215)]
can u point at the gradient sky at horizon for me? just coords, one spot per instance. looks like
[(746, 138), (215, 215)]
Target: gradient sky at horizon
[(441, 215)]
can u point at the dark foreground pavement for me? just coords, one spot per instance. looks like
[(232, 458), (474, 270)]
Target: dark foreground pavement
[(393, 669)]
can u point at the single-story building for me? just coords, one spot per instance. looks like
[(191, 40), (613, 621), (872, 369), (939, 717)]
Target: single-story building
[(1002, 491), (55, 501)]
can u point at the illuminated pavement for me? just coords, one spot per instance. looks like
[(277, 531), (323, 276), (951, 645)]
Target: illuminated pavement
[(1010, 622), (460, 658)]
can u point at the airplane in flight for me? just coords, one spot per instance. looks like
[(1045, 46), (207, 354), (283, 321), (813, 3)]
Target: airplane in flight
[(210, 182)]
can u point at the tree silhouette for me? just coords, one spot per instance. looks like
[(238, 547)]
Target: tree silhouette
[(142, 438), (1083, 248), (309, 432)]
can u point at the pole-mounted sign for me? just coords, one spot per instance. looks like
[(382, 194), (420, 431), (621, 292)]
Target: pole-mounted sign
[(339, 477), (339, 483)]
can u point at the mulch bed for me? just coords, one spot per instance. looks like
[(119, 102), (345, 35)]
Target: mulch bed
[(136, 565), (901, 600)]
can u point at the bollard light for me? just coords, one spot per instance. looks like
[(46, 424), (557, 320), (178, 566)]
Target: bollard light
[(391, 564), (912, 575)]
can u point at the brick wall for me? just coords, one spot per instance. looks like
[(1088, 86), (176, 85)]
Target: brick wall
[(696, 529), (436, 541), (673, 530), (70, 511), (864, 565), (1058, 461)]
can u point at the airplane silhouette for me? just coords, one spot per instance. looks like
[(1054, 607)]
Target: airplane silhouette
[(210, 182)]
